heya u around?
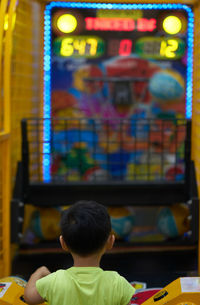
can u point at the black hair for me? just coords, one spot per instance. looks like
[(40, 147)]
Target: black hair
[(85, 227)]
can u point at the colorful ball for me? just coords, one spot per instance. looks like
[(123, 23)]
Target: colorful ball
[(45, 223), (174, 173), (173, 221), (122, 221), (167, 85)]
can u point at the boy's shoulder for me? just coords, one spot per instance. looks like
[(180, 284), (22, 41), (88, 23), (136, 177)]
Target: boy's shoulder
[(112, 275)]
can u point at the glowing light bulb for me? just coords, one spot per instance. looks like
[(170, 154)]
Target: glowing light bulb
[(172, 25), (66, 23)]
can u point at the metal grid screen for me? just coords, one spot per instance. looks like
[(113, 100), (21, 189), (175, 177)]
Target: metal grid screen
[(25, 74), (106, 150)]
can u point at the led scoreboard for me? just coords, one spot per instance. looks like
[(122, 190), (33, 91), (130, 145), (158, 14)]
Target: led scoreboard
[(104, 33), (112, 60)]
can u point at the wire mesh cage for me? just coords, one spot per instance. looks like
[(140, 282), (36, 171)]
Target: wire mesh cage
[(96, 150)]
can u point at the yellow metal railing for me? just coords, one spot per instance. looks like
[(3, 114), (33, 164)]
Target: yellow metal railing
[(196, 105), (4, 144), (7, 12)]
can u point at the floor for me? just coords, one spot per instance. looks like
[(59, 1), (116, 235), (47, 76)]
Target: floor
[(156, 269)]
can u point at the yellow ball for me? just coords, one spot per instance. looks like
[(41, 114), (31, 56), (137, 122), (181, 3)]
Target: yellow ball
[(45, 223), (173, 221)]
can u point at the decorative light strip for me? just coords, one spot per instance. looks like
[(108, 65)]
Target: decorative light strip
[(47, 97), (110, 6)]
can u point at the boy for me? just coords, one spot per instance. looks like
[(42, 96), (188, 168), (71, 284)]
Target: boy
[(86, 234)]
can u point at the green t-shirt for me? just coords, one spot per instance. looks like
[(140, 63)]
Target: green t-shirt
[(85, 286)]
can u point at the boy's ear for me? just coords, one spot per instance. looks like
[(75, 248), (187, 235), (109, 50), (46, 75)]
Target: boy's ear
[(110, 241), (63, 244)]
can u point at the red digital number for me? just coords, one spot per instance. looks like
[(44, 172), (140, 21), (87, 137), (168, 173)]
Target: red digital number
[(125, 47)]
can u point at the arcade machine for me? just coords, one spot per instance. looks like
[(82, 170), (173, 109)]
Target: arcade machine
[(116, 128)]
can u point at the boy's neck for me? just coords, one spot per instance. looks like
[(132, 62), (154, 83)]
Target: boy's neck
[(87, 261)]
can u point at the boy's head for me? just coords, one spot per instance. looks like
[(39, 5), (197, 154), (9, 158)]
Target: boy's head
[(85, 227)]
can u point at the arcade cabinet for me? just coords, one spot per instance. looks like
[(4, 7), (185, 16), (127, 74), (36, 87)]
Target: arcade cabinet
[(115, 125)]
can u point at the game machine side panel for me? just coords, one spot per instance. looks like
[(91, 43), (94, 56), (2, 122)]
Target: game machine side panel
[(7, 16), (26, 79), (196, 107)]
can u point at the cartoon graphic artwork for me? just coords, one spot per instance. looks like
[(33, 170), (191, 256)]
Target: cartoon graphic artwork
[(91, 98)]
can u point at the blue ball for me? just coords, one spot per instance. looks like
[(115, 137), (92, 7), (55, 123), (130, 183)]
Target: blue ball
[(166, 85), (122, 221)]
